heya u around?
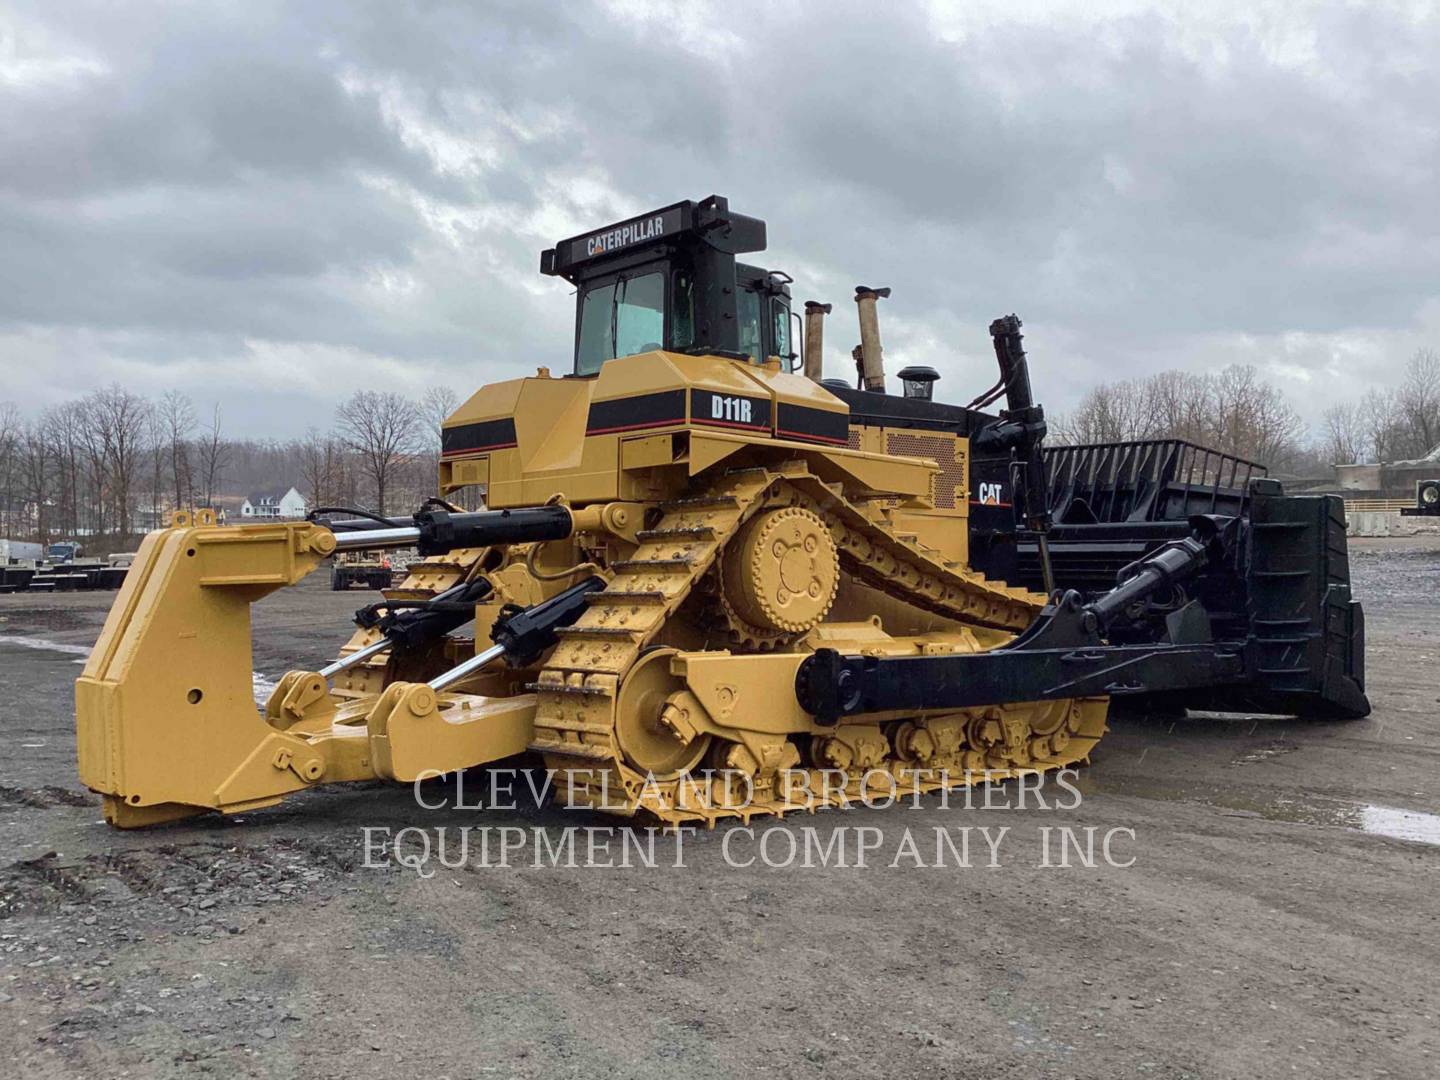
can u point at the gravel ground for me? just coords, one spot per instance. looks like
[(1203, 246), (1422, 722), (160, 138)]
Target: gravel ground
[(1279, 917)]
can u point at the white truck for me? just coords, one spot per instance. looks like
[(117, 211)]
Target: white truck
[(18, 551), (63, 552)]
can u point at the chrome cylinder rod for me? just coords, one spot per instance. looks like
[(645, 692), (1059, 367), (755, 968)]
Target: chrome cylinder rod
[(403, 536), (474, 664), (359, 656)]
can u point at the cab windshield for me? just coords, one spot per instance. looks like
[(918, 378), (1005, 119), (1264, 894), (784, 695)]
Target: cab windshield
[(620, 318)]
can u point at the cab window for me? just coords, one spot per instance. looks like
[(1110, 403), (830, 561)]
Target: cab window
[(747, 310), (682, 310), (620, 318), (596, 344), (781, 322)]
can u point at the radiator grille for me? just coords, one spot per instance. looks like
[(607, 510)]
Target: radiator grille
[(938, 448)]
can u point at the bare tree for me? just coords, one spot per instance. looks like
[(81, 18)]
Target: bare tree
[(155, 454), (435, 408), (1235, 404), (1419, 403), (122, 419), (177, 417), (381, 429), (1112, 412), (10, 428), (1261, 424), (63, 428), (96, 459), (323, 469), (1380, 410), (1179, 404), (1344, 440), (213, 454), (35, 478), (1232, 410)]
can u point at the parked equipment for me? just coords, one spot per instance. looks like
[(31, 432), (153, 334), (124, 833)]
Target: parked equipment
[(22, 569), (714, 587), (368, 569), (1427, 500), (63, 552), (19, 551)]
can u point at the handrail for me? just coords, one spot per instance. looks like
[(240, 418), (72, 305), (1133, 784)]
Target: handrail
[(1377, 506)]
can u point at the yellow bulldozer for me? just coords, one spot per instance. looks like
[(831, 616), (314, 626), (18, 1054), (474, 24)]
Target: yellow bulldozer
[(709, 583)]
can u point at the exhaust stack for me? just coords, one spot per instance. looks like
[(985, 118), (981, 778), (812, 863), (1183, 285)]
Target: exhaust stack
[(872, 360), (815, 313)]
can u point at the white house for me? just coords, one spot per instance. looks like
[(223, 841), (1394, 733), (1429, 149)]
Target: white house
[(279, 503)]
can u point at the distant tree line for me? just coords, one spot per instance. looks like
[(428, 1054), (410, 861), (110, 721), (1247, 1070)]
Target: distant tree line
[(1233, 410), (94, 466), (1391, 423), (1237, 411)]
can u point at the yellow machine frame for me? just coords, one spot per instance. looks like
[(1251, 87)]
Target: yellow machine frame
[(167, 724)]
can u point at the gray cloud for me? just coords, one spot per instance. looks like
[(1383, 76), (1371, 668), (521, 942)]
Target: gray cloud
[(273, 204)]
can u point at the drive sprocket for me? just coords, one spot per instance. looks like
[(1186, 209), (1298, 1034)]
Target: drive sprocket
[(783, 570)]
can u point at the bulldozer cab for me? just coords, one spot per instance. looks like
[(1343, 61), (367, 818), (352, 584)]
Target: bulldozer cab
[(669, 280)]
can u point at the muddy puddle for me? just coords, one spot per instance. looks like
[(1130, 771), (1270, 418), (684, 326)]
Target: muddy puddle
[(1401, 824), (1375, 820), (44, 644)]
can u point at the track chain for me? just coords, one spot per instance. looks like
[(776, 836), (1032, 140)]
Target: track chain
[(577, 689)]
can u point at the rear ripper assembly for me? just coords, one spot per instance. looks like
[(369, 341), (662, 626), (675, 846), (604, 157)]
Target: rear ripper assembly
[(714, 584)]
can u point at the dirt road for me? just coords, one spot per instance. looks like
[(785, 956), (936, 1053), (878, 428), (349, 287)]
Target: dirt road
[(1272, 923)]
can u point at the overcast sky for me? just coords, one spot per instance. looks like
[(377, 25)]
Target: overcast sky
[(272, 205)]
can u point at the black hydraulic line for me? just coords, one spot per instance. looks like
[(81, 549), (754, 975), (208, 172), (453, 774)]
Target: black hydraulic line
[(317, 514), (989, 400), (988, 396), (409, 624)]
